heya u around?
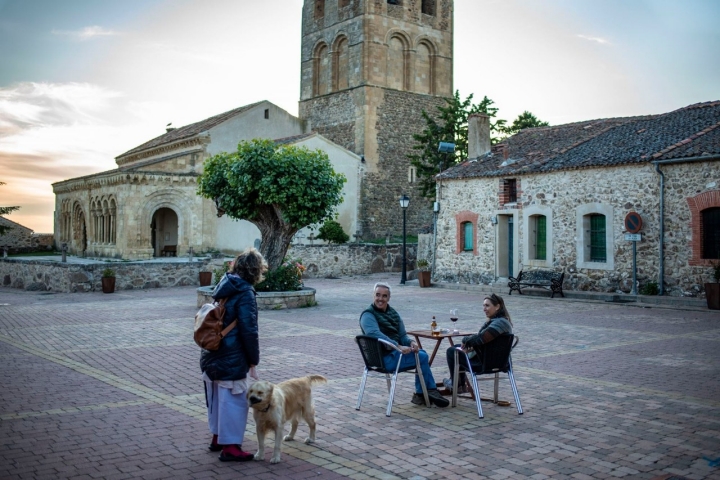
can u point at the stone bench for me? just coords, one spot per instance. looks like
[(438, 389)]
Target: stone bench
[(547, 279), (169, 251)]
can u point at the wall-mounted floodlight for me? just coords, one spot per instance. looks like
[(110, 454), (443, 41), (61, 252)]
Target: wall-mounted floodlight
[(446, 147), (436, 207)]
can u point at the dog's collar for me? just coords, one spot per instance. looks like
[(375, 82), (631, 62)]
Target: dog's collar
[(267, 408)]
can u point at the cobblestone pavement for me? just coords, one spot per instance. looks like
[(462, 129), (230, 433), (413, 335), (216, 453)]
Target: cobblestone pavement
[(107, 386)]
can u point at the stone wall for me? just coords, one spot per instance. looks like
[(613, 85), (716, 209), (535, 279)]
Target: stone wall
[(324, 261), (68, 277), (560, 196)]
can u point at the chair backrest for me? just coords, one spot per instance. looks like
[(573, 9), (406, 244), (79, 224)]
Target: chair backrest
[(372, 352), (496, 354)]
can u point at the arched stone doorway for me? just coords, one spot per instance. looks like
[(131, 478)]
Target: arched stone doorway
[(164, 232), (79, 240)]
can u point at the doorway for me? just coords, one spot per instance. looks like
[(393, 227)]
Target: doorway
[(506, 252), (164, 233)]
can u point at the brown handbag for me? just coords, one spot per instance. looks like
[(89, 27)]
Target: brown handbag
[(209, 330)]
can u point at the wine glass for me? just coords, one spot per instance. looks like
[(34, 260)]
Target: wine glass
[(454, 317)]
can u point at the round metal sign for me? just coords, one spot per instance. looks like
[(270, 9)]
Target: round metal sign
[(633, 222)]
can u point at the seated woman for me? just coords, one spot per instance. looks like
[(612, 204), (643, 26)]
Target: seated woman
[(497, 324)]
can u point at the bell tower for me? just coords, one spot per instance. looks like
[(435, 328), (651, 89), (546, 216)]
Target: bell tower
[(369, 68)]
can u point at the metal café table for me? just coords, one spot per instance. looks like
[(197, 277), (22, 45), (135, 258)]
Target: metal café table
[(418, 334)]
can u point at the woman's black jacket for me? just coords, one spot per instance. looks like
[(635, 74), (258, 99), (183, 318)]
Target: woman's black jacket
[(240, 348)]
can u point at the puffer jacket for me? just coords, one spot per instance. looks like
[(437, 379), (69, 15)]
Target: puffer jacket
[(240, 348)]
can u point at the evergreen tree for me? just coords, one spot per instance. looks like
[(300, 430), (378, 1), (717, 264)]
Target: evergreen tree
[(5, 211), (524, 120), (450, 124)]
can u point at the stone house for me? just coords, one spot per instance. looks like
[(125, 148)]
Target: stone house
[(148, 206), (20, 239), (369, 69), (556, 198)]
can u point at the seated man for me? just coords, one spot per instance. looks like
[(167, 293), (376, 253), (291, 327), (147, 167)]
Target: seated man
[(380, 320)]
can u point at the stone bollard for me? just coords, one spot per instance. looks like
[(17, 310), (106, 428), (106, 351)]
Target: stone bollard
[(64, 252), (190, 254)]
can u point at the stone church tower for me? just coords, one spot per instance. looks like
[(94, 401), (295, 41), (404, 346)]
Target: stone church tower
[(369, 68)]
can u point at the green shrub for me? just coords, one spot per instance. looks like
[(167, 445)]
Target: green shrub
[(650, 288), (108, 272), (286, 278), (218, 273), (331, 231)]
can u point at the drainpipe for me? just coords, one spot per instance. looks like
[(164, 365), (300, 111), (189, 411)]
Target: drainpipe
[(661, 242)]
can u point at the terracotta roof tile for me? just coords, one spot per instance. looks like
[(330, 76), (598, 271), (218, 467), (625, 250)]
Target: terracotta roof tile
[(686, 132), (188, 130)]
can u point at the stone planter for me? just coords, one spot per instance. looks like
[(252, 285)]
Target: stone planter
[(108, 284), (205, 278), (268, 300), (712, 294), (424, 279)]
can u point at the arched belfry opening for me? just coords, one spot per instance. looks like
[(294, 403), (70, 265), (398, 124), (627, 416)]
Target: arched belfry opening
[(164, 232)]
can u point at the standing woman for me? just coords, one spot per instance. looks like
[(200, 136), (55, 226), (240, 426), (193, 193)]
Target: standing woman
[(498, 323), (226, 370)]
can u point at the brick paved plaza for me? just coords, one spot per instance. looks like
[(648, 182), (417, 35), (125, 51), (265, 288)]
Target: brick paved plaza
[(107, 386)]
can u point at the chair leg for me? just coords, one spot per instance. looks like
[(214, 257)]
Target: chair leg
[(387, 379), (473, 378), (497, 381), (514, 389), (362, 389), (423, 387), (388, 412), (456, 376)]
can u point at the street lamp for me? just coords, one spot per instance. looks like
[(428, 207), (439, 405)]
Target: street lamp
[(404, 202)]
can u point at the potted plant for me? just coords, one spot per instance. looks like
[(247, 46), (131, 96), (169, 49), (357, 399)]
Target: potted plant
[(108, 280), (424, 273), (712, 290), (205, 278)]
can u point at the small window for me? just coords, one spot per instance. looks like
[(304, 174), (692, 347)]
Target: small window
[(511, 190), (711, 233), (412, 174), (267, 113), (428, 7), (394, 2), (467, 229), (319, 9), (540, 237), (597, 238)]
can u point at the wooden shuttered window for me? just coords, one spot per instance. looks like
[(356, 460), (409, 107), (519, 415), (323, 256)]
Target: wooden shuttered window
[(598, 251)]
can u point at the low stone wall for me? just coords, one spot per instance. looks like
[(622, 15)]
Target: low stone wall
[(43, 275), (353, 259), (269, 300)]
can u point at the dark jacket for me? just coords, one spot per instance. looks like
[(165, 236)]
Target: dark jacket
[(240, 348)]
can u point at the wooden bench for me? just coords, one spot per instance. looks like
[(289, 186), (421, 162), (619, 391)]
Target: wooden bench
[(547, 279), (169, 251)]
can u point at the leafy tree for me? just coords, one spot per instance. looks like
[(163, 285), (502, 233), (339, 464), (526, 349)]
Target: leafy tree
[(524, 120), (450, 124), (5, 211), (280, 189), (331, 231)]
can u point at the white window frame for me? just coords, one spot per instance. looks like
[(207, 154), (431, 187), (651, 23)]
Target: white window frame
[(582, 236), (530, 214)]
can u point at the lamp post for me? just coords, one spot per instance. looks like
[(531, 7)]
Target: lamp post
[(404, 202)]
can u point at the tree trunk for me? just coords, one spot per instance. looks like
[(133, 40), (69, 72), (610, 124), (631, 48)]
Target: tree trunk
[(276, 235)]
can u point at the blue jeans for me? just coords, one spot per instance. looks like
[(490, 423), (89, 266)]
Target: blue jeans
[(390, 360)]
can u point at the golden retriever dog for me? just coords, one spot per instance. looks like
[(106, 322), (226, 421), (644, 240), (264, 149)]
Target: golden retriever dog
[(275, 405)]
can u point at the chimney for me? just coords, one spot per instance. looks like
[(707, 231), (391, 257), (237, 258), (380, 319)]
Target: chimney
[(478, 136)]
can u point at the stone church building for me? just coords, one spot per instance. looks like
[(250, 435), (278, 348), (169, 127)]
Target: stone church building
[(369, 68), (556, 198)]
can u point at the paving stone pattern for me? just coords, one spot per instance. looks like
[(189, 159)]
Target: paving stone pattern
[(108, 386)]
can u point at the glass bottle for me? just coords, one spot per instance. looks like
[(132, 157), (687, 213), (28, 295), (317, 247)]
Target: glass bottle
[(434, 328)]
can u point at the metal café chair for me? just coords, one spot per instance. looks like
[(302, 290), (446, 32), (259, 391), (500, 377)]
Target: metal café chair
[(496, 358), (372, 350)]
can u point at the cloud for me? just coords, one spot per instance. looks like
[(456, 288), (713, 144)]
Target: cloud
[(600, 40), (86, 33)]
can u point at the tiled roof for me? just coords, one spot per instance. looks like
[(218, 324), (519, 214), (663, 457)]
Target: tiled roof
[(189, 130), (294, 138), (688, 132)]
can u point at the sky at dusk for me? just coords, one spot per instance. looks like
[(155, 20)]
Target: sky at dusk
[(82, 81)]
